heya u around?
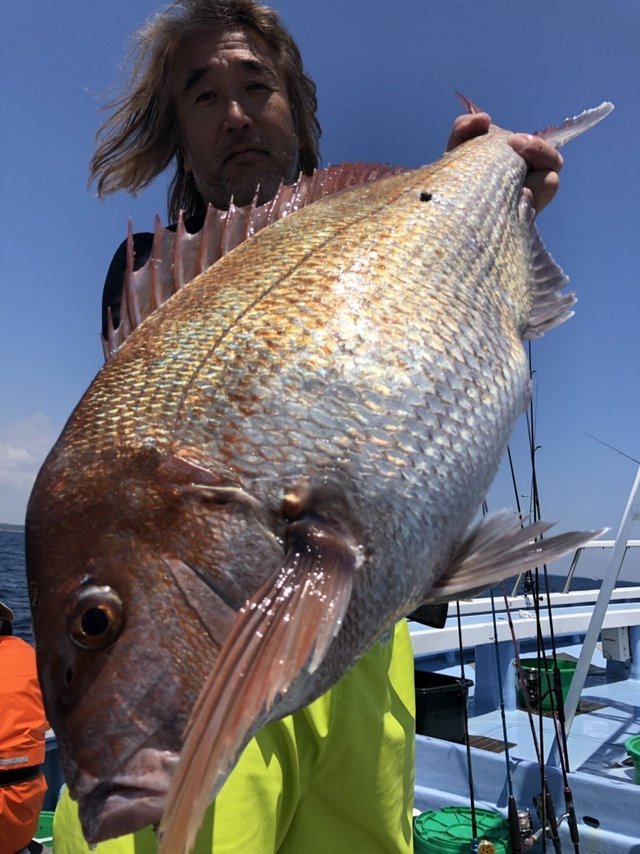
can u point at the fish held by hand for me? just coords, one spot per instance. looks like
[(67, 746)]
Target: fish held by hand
[(279, 463)]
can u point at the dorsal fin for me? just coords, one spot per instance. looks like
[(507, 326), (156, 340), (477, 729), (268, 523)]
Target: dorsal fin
[(177, 257)]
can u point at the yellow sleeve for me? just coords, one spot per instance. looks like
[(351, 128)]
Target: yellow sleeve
[(335, 776), (69, 839)]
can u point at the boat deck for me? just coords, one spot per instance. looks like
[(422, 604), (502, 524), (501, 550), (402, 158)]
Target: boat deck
[(608, 714), (602, 776)]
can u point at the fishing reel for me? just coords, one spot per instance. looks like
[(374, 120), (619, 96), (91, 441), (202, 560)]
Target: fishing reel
[(525, 838), (532, 687), (528, 837), (550, 823)]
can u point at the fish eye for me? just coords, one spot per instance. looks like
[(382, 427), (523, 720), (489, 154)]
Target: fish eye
[(96, 619)]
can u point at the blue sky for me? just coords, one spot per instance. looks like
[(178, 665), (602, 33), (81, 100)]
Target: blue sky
[(386, 80)]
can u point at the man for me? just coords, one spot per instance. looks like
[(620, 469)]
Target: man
[(22, 740), (257, 132), (218, 87)]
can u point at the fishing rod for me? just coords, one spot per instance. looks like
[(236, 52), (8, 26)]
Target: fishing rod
[(519, 821), (545, 808), (613, 448), (513, 816), (519, 510), (521, 834), (525, 695), (557, 706), (477, 845), (544, 804), (556, 692), (475, 842), (557, 710)]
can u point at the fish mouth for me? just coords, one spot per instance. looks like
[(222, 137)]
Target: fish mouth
[(131, 800)]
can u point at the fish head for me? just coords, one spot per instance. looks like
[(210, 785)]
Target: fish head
[(139, 620)]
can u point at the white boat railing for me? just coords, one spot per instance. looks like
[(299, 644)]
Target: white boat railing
[(601, 609), (581, 615), (478, 628), (612, 607), (482, 605), (595, 545)]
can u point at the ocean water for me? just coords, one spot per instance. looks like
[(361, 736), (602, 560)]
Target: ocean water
[(13, 582)]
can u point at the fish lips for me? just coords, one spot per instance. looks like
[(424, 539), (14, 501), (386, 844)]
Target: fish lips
[(131, 800)]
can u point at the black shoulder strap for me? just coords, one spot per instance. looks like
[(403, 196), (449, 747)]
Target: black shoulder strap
[(434, 615)]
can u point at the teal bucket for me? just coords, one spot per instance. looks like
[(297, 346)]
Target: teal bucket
[(539, 676), (44, 833), (632, 746), (448, 831)]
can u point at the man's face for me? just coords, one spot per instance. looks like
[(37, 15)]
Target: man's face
[(235, 120)]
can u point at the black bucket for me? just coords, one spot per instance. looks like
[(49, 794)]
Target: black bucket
[(440, 705)]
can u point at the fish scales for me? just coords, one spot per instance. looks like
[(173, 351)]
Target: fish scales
[(307, 429), (340, 302), (230, 387), (249, 310)]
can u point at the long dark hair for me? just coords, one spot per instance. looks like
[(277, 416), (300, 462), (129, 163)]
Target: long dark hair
[(141, 137)]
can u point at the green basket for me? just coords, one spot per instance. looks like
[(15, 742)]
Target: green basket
[(536, 667), (632, 746), (448, 831), (44, 833)]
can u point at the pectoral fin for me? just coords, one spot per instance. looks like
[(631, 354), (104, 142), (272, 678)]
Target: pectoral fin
[(285, 629), (499, 547)]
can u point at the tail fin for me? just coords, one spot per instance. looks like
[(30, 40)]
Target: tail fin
[(565, 132), (573, 127)]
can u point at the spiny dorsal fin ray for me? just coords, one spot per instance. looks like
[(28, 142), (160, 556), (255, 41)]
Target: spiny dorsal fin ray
[(284, 629), (499, 547), (178, 257)]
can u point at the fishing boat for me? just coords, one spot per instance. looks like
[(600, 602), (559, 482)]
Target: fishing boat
[(529, 716)]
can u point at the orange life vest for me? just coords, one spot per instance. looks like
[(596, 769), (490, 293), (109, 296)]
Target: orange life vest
[(22, 744), (23, 724)]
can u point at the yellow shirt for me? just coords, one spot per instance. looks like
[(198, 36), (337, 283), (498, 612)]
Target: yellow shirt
[(336, 776)]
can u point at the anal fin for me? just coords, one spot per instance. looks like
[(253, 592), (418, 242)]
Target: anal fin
[(285, 628)]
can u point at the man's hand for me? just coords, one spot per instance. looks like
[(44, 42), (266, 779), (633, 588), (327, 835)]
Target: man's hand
[(543, 160)]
